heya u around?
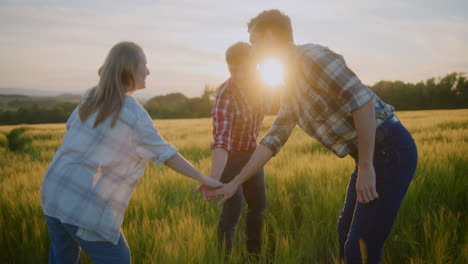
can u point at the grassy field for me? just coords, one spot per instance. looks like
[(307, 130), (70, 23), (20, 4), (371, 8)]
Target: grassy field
[(166, 222)]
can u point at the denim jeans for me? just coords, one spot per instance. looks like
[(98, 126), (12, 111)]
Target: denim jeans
[(395, 159), (253, 190), (65, 246)]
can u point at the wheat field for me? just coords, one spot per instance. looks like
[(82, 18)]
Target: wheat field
[(167, 222)]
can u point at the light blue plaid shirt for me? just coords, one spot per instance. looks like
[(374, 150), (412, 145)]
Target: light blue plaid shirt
[(93, 173)]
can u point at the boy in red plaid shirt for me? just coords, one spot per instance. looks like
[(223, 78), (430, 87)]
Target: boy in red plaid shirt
[(237, 117)]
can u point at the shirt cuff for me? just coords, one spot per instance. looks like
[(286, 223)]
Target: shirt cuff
[(353, 100), (220, 145), (171, 151), (271, 143)]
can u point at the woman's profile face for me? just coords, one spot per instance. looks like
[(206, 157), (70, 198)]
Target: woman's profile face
[(141, 73)]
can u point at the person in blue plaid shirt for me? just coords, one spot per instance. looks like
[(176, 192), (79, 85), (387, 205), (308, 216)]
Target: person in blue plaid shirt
[(109, 140), (328, 101)]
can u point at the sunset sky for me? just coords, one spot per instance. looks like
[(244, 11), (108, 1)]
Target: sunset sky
[(59, 45)]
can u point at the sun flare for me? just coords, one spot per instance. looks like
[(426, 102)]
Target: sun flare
[(272, 72)]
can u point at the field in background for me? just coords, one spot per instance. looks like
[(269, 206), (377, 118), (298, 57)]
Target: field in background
[(166, 222)]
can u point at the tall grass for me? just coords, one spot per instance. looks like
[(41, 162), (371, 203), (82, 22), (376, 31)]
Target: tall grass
[(166, 222)]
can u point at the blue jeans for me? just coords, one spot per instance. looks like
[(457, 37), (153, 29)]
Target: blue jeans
[(395, 159), (253, 190), (65, 246)]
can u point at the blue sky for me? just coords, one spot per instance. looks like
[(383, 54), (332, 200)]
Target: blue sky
[(59, 45)]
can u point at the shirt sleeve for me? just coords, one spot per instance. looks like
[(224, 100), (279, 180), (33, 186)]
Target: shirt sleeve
[(328, 71), (71, 118), (74, 115), (280, 130), (150, 144), (223, 116)]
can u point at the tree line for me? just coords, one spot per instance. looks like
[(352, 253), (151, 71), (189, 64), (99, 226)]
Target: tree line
[(448, 92)]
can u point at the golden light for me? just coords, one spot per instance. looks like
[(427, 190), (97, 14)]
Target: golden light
[(272, 72)]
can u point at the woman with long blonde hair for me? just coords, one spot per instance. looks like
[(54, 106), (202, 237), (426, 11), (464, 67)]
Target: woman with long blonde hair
[(109, 140)]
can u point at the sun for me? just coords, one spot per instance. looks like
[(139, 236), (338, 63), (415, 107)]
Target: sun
[(272, 72)]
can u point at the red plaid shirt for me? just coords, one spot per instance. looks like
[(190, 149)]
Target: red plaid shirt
[(236, 121)]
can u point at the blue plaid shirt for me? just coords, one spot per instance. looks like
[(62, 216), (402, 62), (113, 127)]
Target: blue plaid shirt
[(321, 94), (93, 173)]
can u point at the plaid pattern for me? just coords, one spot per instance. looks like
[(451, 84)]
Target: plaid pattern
[(322, 93), (236, 121), (93, 173)]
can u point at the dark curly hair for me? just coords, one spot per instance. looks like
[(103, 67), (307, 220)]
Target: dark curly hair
[(275, 20)]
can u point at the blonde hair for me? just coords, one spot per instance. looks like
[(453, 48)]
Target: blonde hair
[(116, 79)]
